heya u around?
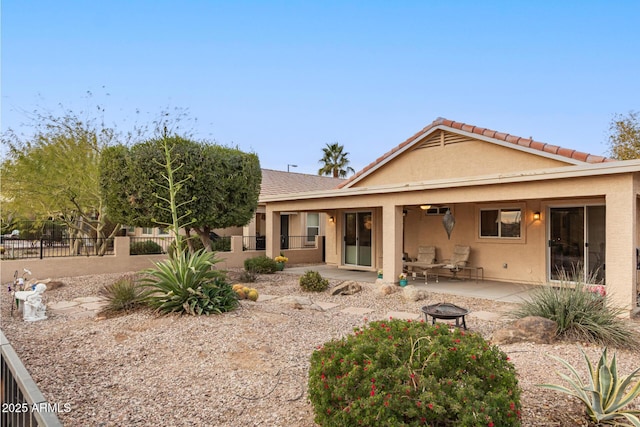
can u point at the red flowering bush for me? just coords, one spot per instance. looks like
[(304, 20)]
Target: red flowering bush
[(401, 373)]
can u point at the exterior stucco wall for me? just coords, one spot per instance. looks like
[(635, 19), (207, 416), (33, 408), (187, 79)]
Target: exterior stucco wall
[(463, 159)]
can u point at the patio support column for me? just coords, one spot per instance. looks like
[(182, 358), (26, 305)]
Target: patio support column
[(620, 257), (391, 242), (272, 233)]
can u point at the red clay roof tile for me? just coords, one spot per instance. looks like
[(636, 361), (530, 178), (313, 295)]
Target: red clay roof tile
[(537, 145), (512, 139)]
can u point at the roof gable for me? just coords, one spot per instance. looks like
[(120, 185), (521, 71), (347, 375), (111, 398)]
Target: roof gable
[(442, 132)]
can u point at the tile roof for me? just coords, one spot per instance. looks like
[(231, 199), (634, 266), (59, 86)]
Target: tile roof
[(280, 182), (515, 140)]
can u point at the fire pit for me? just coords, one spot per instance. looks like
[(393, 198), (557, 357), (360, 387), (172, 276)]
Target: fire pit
[(445, 310)]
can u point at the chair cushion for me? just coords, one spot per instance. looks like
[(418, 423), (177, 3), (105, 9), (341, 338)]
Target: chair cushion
[(460, 255), (427, 254)]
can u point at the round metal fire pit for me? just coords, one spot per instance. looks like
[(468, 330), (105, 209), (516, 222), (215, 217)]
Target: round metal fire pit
[(445, 310)]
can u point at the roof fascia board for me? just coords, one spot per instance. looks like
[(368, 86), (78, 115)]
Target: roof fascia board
[(563, 172), (511, 145)]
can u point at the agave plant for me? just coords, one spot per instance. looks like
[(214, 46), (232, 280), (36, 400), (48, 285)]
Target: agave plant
[(187, 283), (606, 395)]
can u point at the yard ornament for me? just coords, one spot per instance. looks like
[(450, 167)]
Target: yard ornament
[(449, 222)]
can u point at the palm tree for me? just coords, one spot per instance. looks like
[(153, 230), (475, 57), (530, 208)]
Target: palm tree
[(335, 161)]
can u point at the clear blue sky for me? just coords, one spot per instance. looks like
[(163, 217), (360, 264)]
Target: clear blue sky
[(284, 78)]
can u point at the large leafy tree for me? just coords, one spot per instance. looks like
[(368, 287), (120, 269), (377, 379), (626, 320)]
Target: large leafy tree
[(53, 174), (624, 136), (335, 161), (223, 182)]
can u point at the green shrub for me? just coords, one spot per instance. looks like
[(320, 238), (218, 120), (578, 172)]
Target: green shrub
[(606, 395), (579, 313), (122, 295), (260, 265), (188, 284), (312, 281), (146, 247), (400, 373), (248, 276)]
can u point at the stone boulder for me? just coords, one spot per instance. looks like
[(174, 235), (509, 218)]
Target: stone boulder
[(387, 289), (297, 302), (534, 329), (347, 288), (413, 293)]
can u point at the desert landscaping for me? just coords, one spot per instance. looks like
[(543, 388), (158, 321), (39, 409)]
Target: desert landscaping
[(247, 367)]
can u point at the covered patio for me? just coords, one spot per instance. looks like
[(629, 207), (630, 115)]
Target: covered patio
[(530, 212)]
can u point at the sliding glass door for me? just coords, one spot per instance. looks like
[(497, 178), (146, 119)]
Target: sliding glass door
[(357, 238), (577, 243)]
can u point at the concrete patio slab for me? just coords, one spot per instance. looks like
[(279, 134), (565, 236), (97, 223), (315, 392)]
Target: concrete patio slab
[(89, 299), (62, 305), (327, 305)]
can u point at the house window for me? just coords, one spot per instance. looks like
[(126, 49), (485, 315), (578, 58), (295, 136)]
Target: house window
[(500, 223), (147, 230), (162, 231), (313, 227)]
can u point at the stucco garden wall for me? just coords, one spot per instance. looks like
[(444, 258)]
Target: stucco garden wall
[(122, 262)]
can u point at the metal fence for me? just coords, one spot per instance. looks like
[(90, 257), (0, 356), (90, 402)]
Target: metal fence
[(254, 243), (259, 243), (23, 405), (149, 245), (47, 248), (297, 242), (141, 245)]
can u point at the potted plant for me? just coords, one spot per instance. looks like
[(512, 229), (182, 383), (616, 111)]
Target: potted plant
[(380, 274), (403, 279), (280, 261)]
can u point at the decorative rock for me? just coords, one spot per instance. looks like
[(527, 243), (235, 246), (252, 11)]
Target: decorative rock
[(528, 329), (347, 288), (388, 289), (413, 293)]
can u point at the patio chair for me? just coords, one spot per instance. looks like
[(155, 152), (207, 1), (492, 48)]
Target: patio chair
[(458, 261), (426, 261)]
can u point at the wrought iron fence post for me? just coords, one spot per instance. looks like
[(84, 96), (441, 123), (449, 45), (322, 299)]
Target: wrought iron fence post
[(41, 248)]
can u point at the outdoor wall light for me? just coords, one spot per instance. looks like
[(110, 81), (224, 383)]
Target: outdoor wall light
[(536, 216), (425, 207), (332, 219)]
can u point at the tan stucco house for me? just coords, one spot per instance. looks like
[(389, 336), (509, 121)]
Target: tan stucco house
[(528, 210), (297, 228)]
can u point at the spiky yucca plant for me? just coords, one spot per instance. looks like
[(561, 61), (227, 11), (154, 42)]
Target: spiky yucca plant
[(606, 395), (580, 313), (122, 295)]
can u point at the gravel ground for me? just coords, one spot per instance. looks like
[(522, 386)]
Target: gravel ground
[(245, 368)]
